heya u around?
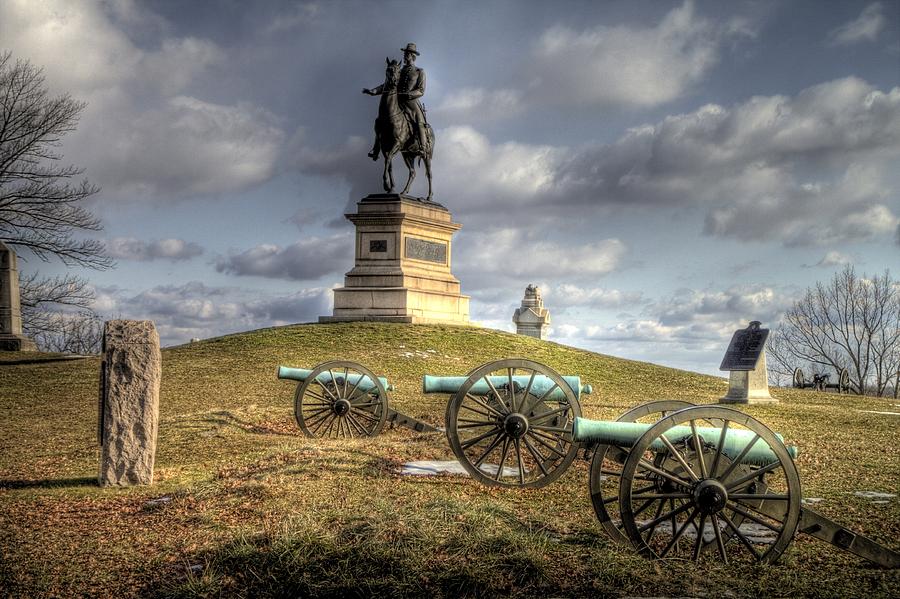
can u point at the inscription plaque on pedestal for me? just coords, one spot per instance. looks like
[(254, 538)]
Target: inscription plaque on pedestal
[(420, 249), (745, 348)]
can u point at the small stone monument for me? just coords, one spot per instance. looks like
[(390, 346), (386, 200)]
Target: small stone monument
[(532, 317), (130, 373), (745, 358), (11, 337), (402, 271)]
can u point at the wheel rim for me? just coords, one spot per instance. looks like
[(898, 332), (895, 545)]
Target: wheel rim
[(606, 468), (341, 400), (516, 434), (707, 492)]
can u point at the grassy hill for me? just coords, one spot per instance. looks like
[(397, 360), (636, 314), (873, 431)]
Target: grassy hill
[(248, 507)]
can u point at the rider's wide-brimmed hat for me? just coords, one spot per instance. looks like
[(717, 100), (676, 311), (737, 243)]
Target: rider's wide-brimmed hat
[(410, 47)]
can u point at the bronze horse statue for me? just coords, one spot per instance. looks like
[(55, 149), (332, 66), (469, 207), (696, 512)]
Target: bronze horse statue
[(395, 133)]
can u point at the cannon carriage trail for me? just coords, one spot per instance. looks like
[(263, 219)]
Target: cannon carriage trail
[(243, 504)]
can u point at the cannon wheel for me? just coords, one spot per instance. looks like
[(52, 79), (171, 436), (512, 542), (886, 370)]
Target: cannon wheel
[(843, 381), (512, 437), (799, 379), (705, 487), (329, 404), (606, 468)]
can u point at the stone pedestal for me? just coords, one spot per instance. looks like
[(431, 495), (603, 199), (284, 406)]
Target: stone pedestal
[(531, 317), (749, 386), (129, 402), (11, 337), (402, 269)]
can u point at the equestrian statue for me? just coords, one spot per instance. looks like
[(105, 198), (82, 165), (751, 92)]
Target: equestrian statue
[(401, 125)]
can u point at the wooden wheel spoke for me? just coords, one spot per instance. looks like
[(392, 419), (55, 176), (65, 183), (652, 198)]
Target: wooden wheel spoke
[(487, 379), (737, 509), (659, 509), (670, 514), (736, 484), (528, 387), (518, 447), (698, 448), (664, 473), (754, 496), (470, 442), (536, 454), (679, 457), (318, 418), (719, 447), (698, 542), (678, 534), (503, 453), (547, 445), (719, 542), (483, 404), (741, 536), (356, 423), (544, 395), (511, 389), (364, 414), (655, 496), (490, 448), (550, 429), (477, 425), (740, 457), (644, 506), (563, 409), (486, 414)]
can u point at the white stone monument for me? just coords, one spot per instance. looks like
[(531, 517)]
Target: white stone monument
[(532, 317), (402, 270), (11, 337), (745, 359)]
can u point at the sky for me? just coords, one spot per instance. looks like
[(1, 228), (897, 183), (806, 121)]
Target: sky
[(666, 172)]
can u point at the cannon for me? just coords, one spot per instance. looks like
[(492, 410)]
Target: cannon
[(509, 422), (705, 480), (343, 399), (820, 382)]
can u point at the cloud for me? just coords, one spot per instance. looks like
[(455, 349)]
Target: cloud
[(864, 28), (196, 310), (834, 258), (628, 66), (566, 295), (472, 104), (305, 260), (519, 255), (143, 131), (129, 248)]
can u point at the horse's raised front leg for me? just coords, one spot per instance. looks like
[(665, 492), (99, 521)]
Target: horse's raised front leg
[(410, 160)]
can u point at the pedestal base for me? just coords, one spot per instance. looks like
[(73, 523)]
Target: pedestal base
[(748, 387), (402, 265), (16, 343)]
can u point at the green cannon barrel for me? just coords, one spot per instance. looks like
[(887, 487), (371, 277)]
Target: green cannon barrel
[(540, 385), (626, 434), (301, 374)]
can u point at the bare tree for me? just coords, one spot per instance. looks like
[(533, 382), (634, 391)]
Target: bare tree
[(849, 322), (39, 198), (57, 314)]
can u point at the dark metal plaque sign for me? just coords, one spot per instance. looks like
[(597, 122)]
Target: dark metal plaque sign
[(377, 246), (419, 249), (745, 348)]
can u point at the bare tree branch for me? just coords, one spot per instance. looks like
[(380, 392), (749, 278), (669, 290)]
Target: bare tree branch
[(38, 197)]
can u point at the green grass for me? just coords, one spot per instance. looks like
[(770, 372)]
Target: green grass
[(257, 510)]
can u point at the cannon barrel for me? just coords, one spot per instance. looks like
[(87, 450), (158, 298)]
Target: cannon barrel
[(301, 374), (540, 385), (626, 434)]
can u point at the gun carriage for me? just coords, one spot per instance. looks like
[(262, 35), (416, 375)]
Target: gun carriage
[(666, 478), (342, 399), (819, 382)]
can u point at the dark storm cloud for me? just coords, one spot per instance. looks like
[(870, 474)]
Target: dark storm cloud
[(305, 260), (129, 248)]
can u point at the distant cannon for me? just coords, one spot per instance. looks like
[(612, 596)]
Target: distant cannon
[(819, 382), (343, 399), (705, 480), (509, 422)]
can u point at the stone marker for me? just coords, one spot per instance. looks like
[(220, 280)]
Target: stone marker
[(532, 318), (745, 358), (11, 337), (130, 373)]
